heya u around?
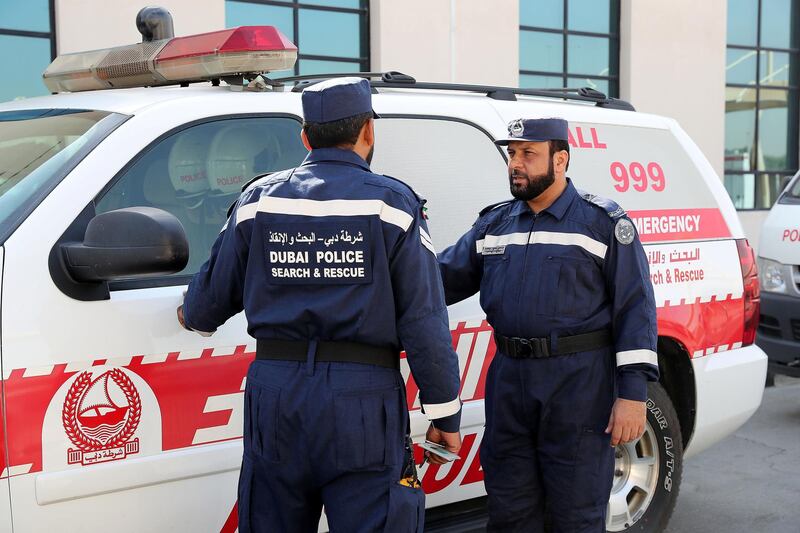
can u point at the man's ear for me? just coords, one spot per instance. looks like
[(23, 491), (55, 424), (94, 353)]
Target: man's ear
[(304, 137), (561, 160), (368, 132)]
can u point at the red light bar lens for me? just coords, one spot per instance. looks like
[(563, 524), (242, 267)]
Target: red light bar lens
[(242, 39), (247, 50)]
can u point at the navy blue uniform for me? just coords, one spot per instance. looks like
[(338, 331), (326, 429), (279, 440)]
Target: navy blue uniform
[(557, 273), (330, 251)]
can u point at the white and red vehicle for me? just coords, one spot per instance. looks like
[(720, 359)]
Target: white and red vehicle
[(115, 418), (779, 266)]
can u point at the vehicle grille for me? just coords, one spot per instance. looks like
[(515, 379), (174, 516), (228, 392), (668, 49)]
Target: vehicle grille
[(769, 326)]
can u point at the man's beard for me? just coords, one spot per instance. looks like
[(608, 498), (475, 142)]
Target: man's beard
[(370, 154), (536, 185)]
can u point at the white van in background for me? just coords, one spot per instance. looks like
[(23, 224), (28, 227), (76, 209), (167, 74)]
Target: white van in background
[(779, 267)]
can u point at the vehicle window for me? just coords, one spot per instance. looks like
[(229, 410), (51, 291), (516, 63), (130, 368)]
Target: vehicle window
[(453, 165), (792, 193), (37, 148), (198, 172)]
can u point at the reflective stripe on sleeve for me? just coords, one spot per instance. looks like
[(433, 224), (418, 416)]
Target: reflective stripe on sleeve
[(246, 212), (441, 410), (326, 208), (632, 357), (426, 240)]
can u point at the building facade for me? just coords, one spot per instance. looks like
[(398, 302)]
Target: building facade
[(725, 69)]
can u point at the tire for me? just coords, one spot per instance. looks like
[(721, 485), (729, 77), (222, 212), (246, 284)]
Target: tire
[(647, 473)]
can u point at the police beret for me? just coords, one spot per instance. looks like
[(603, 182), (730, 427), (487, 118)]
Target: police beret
[(336, 99), (536, 130)]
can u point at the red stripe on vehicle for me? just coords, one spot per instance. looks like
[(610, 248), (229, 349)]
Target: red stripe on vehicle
[(183, 386), (716, 324), (478, 360), (232, 523), (663, 225)]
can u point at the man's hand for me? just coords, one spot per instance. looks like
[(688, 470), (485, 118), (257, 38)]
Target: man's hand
[(451, 441), (180, 317), (627, 421)]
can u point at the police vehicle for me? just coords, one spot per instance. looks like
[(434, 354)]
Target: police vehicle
[(115, 418), (779, 265)]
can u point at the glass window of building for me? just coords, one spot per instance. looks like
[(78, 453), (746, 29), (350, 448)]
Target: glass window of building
[(569, 43), (27, 45), (761, 100), (331, 35)]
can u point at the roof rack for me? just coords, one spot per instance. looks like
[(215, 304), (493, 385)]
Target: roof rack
[(399, 80)]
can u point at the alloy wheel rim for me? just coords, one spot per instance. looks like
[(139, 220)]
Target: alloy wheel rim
[(636, 468)]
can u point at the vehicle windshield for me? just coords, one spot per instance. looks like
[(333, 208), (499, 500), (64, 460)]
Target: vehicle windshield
[(37, 149)]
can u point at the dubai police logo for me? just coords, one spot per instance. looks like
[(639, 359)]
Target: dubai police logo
[(515, 128), (624, 231), (100, 415)]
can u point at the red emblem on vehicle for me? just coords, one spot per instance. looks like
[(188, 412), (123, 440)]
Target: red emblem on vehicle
[(100, 416)]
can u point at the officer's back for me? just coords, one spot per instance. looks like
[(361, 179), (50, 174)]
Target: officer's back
[(335, 270), (342, 284)]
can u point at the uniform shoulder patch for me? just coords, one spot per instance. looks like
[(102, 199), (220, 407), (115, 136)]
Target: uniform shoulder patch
[(493, 206), (624, 231), (611, 207)]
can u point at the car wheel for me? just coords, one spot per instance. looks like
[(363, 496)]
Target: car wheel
[(647, 473)]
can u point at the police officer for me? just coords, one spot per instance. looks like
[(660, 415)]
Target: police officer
[(564, 283), (335, 270)]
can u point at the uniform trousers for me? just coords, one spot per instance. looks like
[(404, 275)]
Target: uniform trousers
[(544, 451), (325, 434)]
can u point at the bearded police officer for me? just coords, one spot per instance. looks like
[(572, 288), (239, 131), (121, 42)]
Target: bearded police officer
[(564, 282), (335, 270)]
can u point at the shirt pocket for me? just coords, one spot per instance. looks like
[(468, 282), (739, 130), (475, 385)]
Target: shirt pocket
[(550, 290), (580, 288), (569, 286), (493, 283)]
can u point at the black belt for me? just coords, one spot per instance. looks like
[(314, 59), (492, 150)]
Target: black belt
[(538, 348), (328, 352)]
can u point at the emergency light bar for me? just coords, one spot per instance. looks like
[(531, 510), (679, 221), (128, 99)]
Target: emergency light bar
[(237, 51)]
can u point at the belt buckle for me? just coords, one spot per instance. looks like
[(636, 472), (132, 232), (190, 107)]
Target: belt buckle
[(524, 348), (536, 348)]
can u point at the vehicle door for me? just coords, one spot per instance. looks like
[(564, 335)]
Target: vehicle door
[(117, 418), (452, 163)]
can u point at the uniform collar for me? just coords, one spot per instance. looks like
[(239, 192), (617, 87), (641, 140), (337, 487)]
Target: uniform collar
[(336, 155), (557, 209)]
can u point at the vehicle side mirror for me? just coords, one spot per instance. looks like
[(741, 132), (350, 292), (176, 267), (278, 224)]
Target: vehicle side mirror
[(128, 243)]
